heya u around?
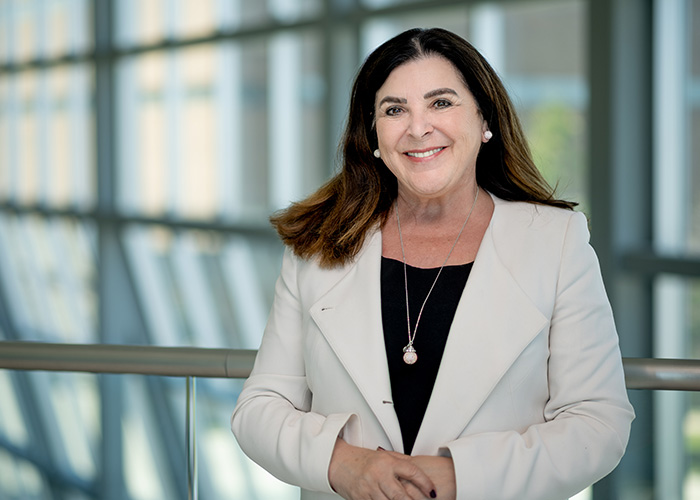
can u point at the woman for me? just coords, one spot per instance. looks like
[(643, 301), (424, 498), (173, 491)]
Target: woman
[(440, 327)]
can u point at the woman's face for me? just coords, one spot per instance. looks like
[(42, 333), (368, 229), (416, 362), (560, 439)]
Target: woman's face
[(429, 129)]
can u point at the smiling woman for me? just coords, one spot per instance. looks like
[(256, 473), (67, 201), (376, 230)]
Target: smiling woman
[(440, 327), (332, 223), (429, 132)]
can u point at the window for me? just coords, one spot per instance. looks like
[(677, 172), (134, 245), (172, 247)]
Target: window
[(677, 228), (139, 165)]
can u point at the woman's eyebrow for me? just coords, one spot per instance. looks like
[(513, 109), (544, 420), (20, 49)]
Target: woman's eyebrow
[(395, 100), (437, 92)]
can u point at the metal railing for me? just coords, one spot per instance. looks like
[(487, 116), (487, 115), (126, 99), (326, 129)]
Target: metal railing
[(133, 359), (640, 373), (190, 362)]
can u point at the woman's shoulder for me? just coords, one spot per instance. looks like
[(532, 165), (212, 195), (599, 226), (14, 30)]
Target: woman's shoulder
[(314, 279), (532, 215), (522, 227), (532, 240)]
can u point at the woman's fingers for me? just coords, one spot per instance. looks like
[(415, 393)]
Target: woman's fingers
[(359, 474), (380, 478), (399, 490), (441, 471), (409, 471), (412, 490)]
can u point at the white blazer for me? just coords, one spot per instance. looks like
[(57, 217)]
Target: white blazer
[(529, 401)]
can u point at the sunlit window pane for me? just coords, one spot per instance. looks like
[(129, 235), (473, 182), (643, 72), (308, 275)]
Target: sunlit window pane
[(70, 177), (677, 232), (143, 22), (548, 86), (6, 138), (25, 16), (226, 130), (51, 111), (694, 123), (48, 277), (380, 28), (26, 170), (6, 29), (202, 288), (39, 29), (67, 27)]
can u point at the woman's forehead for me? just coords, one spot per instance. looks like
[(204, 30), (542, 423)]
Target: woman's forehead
[(422, 78)]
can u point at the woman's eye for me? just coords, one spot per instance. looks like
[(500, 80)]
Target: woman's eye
[(392, 111), (442, 103)]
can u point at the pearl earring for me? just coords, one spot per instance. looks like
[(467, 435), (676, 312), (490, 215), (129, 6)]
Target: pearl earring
[(488, 135), (377, 154)]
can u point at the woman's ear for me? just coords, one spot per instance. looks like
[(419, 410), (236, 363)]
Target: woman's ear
[(486, 134)]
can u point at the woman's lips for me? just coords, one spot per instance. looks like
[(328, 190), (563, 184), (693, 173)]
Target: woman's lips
[(424, 154)]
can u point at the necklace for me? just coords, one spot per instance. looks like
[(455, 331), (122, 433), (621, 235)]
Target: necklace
[(409, 352)]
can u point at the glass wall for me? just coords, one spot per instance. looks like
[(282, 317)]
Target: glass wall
[(144, 144), (677, 232)]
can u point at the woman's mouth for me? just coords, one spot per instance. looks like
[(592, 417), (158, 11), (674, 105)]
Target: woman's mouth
[(423, 154)]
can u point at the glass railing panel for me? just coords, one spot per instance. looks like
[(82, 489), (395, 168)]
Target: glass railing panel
[(20, 479), (13, 426), (677, 414), (54, 427)]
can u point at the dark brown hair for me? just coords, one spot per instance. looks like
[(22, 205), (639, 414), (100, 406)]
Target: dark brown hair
[(332, 223)]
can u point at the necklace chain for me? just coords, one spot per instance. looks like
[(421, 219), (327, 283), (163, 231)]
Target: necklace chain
[(410, 355)]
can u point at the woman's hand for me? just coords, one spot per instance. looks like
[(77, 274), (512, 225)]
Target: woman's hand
[(442, 472), (361, 474), (439, 469)]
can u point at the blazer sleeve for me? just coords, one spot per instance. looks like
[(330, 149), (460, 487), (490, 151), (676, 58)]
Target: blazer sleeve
[(588, 415), (272, 420)]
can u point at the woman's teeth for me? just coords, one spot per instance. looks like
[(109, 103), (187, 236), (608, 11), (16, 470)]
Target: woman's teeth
[(425, 154)]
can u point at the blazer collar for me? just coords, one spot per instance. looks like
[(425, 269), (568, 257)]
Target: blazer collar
[(494, 322)]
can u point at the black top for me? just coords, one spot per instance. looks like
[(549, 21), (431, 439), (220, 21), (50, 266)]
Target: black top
[(411, 385)]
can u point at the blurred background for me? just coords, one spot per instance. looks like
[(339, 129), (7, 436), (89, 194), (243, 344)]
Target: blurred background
[(144, 143)]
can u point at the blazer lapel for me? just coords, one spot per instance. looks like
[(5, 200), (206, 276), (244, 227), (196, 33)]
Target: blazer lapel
[(494, 322), (349, 316)]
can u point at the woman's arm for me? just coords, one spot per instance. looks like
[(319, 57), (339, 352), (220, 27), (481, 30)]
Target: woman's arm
[(587, 416), (276, 428), (272, 420)]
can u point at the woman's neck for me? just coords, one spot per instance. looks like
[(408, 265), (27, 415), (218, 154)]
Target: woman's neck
[(436, 211), (428, 236)]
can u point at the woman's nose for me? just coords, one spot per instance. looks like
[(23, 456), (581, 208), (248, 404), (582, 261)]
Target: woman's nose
[(420, 125)]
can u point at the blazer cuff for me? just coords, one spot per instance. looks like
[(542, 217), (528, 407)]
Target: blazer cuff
[(469, 474), (321, 450)]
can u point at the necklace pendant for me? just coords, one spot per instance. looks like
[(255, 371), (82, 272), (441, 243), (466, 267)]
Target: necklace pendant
[(409, 355)]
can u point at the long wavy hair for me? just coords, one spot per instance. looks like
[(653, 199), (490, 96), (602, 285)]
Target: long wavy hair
[(332, 223)]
